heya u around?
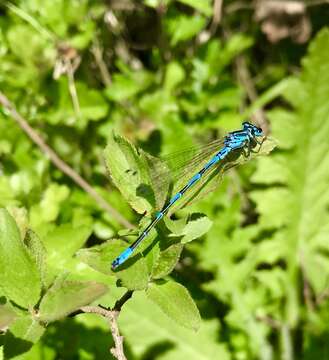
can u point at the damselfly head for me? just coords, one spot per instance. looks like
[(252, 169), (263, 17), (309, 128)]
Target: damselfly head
[(252, 129)]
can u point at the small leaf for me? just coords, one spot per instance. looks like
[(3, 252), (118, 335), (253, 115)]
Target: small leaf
[(184, 27), (196, 228), (65, 297), (22, 334), (19, 275), (175, 74), (189, 228), (175, 301)]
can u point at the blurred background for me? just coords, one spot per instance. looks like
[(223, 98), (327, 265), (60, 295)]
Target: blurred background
[(169, 74)]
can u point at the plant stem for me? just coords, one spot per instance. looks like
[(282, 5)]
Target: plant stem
[(111, 315), (59, 163)]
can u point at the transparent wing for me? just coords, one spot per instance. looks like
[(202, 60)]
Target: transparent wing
[(183, 164), (209, 181), (172, 169)]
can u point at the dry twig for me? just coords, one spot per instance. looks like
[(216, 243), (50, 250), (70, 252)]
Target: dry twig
[(217, 17), (97, 51), (59, 163), (111, 315)]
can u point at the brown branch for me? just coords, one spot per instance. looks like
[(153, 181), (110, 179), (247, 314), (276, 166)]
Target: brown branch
[(111, 315), (217, 17), (97, 51), (273, 323), (245, 79), (59, 163)]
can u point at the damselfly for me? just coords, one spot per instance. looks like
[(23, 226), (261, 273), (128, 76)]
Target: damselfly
[(234, 143)]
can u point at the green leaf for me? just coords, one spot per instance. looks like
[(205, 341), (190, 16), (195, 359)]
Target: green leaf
[(175, 74), (19, 276), (298, 209), (175, 301), (91, 104), (204, 6), (63, 241), (184, 27), (129, 171), (166, 261), (22, 334), (65, 297), (133, 274), (49, 207), (138, 313), (37, 251), (234, 46), (189, 228), (124, 86)]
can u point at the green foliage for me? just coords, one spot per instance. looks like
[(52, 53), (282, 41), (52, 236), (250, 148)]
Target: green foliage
[(302, 171), (64, 297), (23, 286), (23, 259), (243, 272), (175, 301)]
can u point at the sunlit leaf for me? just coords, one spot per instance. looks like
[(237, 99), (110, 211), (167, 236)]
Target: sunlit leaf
[(65, 297), (175, 301), (19, 278)]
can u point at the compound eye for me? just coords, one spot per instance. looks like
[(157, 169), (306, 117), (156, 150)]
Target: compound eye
[(258, 131)]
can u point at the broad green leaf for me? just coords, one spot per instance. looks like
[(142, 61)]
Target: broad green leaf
[(129, 171), (147, 326), (133, 274), (19, 277), (65, 297), (204, 6), (175, 301), (298, 209), (22, 334)]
